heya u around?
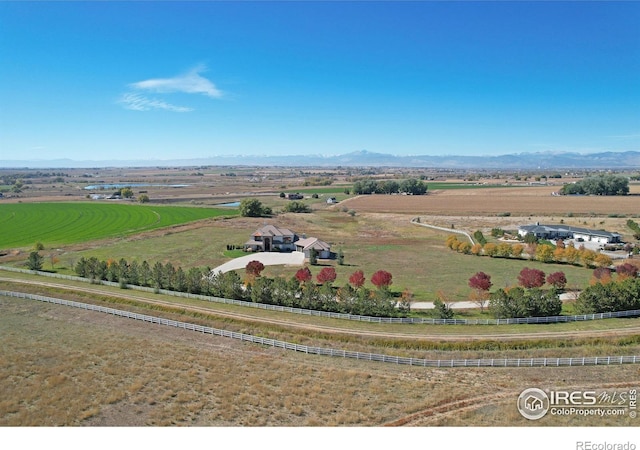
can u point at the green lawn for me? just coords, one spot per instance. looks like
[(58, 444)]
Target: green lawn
[(24, 224)]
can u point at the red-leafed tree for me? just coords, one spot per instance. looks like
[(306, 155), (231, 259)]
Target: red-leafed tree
[(381, 279), (303, 275), (357, 279), (480, 281), (531, 278), (557, 280), (601, 275), (254, 268), (326, 275), (627, 270)]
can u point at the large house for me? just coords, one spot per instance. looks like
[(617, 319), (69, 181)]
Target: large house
[(270, 238), (568, 232)]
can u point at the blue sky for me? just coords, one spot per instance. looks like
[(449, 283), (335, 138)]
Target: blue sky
[(164, 80)]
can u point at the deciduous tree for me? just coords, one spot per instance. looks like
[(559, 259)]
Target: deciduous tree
[(557, 279), (481, 283), (601, 275), (357, 279), (254, 268), (602, 260), (531, 278), (627, 270), (251, 207), (544, 253), (303, 275), (382, 279), (326, 275)]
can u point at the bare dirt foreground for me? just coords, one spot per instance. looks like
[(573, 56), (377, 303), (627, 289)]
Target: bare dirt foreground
[(63, 366)]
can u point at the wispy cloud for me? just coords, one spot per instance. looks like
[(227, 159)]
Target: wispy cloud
[(190, 82), (137, 102)]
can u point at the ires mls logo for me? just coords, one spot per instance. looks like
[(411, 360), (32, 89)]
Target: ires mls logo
[(534, 403)]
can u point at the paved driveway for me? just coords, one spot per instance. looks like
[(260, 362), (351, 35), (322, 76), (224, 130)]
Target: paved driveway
[(266, 258)]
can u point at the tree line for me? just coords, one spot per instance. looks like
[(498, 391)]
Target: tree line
[(299, 291), (598, 185), (560, 253), (529, 299), (411, 186), (622, 294)]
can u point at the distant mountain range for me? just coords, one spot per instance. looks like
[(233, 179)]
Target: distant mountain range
[(363, 158)]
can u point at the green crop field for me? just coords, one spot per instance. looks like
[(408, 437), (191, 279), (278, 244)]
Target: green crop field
[(24, 224)]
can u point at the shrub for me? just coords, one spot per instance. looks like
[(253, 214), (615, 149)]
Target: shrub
[(480, 237), (441, 311), (297, 207)]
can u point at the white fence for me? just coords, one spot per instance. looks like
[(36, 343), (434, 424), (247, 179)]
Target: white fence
[(493, 362), (311, 312)]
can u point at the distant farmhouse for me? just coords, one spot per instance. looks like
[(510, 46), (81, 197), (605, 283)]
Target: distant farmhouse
[(567, 232), (270, 238)]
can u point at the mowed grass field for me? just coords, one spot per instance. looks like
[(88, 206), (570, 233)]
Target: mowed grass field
[(24, 224), (416, 256)]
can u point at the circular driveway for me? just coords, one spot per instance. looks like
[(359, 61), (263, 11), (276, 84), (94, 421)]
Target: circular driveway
[(266, 258)]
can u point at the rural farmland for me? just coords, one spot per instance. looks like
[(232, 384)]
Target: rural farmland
[(66, 223), (373, 231)]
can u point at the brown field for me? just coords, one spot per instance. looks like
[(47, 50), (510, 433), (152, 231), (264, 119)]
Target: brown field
[(522, 201), (64, 366)]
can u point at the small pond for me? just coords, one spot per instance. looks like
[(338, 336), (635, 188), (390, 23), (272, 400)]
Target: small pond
[(230, 204)]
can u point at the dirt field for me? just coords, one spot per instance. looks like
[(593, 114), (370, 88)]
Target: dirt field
[(522, 201)]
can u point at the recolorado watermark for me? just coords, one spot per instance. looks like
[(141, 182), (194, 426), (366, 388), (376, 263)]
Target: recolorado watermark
[(589, 445), (534, 404)]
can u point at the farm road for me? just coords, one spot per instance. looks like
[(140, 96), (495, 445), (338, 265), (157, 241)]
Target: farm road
[(266, 258)]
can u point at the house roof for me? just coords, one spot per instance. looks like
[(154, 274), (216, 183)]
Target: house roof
[(312, 242), (566, 229), (272, 230)]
